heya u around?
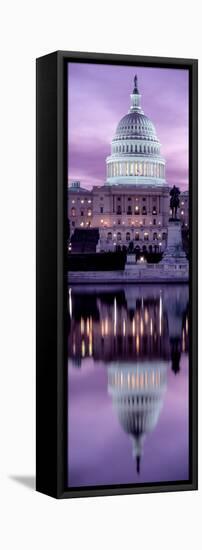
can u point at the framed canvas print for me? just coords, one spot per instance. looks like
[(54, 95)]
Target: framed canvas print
[(116, 274)]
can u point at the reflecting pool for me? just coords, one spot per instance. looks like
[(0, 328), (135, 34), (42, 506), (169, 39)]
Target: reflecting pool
[(128, 384)]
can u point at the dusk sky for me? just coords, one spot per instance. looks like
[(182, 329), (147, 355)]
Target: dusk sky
[(99, 96)]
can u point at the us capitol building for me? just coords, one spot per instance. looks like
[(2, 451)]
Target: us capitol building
[(133, 205)]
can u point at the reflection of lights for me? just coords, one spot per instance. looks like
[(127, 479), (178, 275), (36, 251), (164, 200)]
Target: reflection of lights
[(133, 326), (82, 325), (160, 315), (187, 325), (83, 348), (90, 346), (141, 259), (115, 316), (183, 341), (106, 327), (137, 343), (141, 327), (87, 326), (124, 327), (146, 316), (102, 329), (70, 302), (151, 327), (182, 212)]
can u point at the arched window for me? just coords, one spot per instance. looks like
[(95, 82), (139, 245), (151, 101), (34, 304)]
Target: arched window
[(155, 238), (118, 236), (164, 236), (137, 237), (73, 211), (109, 236), (146, 236), (128, 236)]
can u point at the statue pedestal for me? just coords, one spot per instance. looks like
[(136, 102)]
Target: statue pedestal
[(174, 254)]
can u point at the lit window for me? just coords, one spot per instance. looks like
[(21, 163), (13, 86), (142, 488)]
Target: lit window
[(89, 201), (82, 201), (89, 212)]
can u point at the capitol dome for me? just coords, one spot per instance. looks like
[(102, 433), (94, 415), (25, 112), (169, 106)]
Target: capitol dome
[(135, 151), (137, 393)]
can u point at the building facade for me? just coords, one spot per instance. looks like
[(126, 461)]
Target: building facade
[(131, 209)]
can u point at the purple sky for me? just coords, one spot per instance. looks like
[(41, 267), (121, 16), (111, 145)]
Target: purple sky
[(99, 96)]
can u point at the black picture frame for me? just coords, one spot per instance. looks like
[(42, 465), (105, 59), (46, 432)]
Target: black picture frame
[(51, 201)]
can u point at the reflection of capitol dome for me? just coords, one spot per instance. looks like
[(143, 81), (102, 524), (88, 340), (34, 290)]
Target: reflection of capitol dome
[(137, 394), (135, 152)]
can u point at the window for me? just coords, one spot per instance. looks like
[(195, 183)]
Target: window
[(164, 236), (137, 210), (154, 211), (82, 213), (127, 236), (129, 211), (89, 212), (109, 236), (155, 238), (129, 198), (118, 209), (137, 237), (73, 224), (73, 212), (154, 221), (144, 211), (118, 236), (101, 209), (146, 236)]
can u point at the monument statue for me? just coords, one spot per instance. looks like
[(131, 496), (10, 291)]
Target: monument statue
[(174, 201)]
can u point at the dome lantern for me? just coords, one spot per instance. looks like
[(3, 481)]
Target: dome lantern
[(135, 99)]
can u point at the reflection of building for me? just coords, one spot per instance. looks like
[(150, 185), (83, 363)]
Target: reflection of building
[(133, 205), (130, 323), (137, 393)]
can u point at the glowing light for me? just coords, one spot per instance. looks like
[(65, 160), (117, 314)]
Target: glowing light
[(141, 327), (187, 325), (102, 329), (70, 302), (137, 343), (83, 348), (115, 315), (151, 327), (88, 327), (82, 201), (160, 315), (133, 326), (106, 327), (146, 316), (124, 327), (90, 346), (82, 224), (82, 325)]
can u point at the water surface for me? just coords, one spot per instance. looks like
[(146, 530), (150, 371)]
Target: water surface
[(128, 384)]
